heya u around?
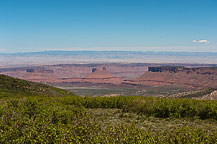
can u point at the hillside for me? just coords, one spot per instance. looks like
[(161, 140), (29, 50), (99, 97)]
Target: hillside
[(16, 87)]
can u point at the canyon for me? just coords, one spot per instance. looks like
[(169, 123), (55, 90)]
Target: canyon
[(189, 76)]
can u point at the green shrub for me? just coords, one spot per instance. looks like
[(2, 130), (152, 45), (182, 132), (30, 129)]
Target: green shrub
[(65, 120)]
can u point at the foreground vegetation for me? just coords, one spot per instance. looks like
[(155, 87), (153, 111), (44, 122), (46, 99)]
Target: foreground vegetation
[(56, 116), (79, 120)]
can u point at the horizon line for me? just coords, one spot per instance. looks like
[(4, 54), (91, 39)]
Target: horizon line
[(154, 51)]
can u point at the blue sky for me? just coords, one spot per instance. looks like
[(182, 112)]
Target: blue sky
[(134, 25)]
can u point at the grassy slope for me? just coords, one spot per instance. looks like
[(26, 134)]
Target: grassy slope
[(16, 87)]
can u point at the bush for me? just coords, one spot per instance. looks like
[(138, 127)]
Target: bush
[(64, 120)]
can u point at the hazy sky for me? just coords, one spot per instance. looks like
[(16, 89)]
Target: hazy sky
[(140, 25)]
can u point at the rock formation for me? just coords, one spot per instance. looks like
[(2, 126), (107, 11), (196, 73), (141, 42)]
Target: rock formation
[(102, 76), (175, 69), (39, 70), (97, 76), (200, 77), (94, 69)]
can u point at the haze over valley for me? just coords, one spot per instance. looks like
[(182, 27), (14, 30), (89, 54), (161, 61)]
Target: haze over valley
[(76, 57)]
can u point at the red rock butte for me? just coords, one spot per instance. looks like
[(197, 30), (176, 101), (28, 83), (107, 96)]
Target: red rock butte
[(201, 77), (102, 76), (98, 77)]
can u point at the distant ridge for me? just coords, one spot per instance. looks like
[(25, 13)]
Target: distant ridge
[(69, 57), (171, 53)]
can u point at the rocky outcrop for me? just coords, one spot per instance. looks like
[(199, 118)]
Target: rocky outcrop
[(98, 77), (39, 70), (30, 70), (200, 77), (94, 69), (173, 69), (176, 69), (102, 76)]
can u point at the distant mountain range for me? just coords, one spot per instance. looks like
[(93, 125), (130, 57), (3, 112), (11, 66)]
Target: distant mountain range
[(119, 53), (69, 57)]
